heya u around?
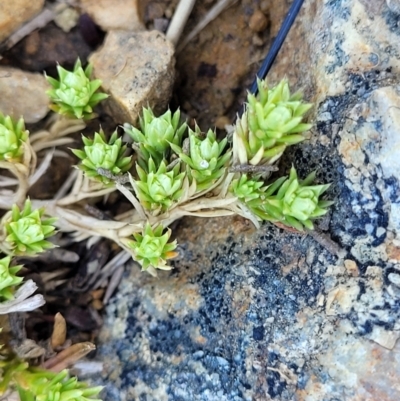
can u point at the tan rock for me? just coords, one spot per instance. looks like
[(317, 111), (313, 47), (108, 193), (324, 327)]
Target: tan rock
[(23, 94), (114, 14), (14, 13), (137, 70), (258, 21)]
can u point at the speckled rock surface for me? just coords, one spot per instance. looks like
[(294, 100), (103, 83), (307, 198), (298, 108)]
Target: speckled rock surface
[(133, 81), (23, 94), (268, 314), (14, 13)]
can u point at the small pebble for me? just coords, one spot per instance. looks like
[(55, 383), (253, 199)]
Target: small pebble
[(265, 6), (257, 40), (258, 21), (222, 121)]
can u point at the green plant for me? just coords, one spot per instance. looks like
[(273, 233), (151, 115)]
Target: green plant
[(272, 121), (8, 279), (100, 153), (75, 94), (151, 248), (155, 135), (27, 230), (205, 160), (158, 189), (13, 135), (36, 384), (292, 202), (173, 172)]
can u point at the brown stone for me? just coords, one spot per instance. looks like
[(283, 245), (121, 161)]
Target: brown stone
[(14, 13), (114, 14), (135, 82), (258, 21), (23, 94)]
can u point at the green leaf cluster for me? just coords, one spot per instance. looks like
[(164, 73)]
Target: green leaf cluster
[(292, 202), (13, 135), (272, 121), (102, 153), (27, 230), (152, 249), (206, 161), (8, 278), (74, 94), (35, 384), (157, 188), (155, 136)]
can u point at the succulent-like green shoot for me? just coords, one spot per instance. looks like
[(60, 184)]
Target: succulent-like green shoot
[(155, 135), (100, 153), (74, 94), (272, 121), (292, 202), (8, 279), (12, 137), (36, 384), (247, 189), (27, 230), (158, 189), (206, 161), (151, 248)]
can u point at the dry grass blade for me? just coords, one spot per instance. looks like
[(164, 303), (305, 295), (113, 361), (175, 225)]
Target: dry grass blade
[(59, 334), (69, 356), (211, 15), (179, 20), (23, 302)]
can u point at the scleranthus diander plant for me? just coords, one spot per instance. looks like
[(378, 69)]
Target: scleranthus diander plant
[(166, 171)]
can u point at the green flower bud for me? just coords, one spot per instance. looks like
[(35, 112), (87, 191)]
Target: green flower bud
[(271, 122), (8, 279), (27, 230), (205, 161), (292, 202), (158, 189), (246, 189), (12, 137), (155, 135), (74, 94), (98, 153), (151, 248)]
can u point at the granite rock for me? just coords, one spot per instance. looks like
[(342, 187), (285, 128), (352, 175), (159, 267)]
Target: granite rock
[(137, 70), (269, 314), (23, 94)]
